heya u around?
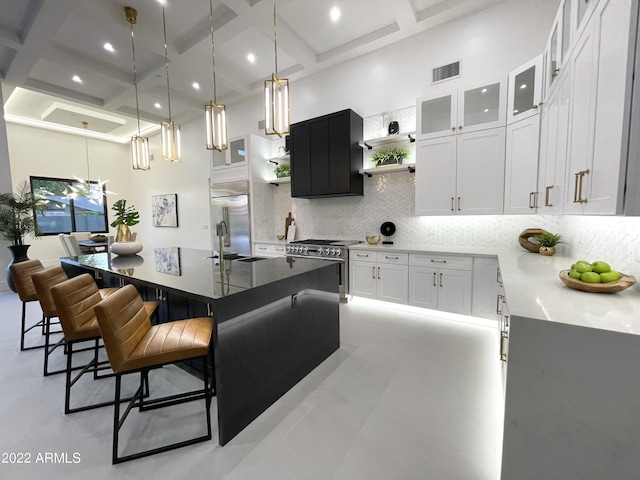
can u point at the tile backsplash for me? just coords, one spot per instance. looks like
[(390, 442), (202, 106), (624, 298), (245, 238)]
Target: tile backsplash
[(390, 197)]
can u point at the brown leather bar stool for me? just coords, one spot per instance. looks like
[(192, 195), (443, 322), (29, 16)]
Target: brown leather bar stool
[(74, 301), (21, 275), (134, 345), (43, 281)]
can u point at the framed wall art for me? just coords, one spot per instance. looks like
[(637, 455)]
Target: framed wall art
[(167, 260), (165, 210)]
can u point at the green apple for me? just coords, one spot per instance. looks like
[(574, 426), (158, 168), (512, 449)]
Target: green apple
[(590, 277), (574, 274), (608, 277), (583, 267), (601, 267)]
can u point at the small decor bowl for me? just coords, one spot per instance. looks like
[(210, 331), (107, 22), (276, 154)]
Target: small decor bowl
[(373, 239), (625, 281), (280, 237), (126, 248)]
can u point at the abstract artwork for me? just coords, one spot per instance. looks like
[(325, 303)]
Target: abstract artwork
[(167, 260), (165, 210)]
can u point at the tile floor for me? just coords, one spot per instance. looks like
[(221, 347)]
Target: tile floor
[(407, 396)]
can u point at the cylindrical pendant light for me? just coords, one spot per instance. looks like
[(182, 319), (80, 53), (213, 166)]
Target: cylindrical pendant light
[(215, 113), (139, 144), (169, 131), (276, 95)]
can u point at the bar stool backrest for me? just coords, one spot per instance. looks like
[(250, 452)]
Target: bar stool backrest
[(43, 281), (74, 300), (21, 275), (123, 323)]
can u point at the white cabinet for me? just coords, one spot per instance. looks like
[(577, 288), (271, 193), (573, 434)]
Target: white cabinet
[(558, 45), (378, 275), (460, 111), (525, 91), (487, 284), (599, 106), (440, 282), (461, 174), (521, 166), (269, 250), (232, 164), (554, 141)]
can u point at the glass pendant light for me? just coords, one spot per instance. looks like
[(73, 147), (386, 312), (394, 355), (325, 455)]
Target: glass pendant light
[(139, 144), (169, 131), (276, 95), (215, 116)]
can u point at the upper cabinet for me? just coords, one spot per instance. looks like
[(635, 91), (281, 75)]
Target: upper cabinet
[(559, 43), (525, 91), (326, 156), (460, 111), (231, 164)]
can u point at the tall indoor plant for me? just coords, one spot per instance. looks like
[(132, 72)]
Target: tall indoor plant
[(125, 217), (17, 222)]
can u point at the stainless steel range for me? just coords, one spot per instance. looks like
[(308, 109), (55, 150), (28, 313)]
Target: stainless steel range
[(326, 250)]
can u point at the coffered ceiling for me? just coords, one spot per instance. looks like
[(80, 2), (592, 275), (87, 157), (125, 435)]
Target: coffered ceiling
[(45, 43)]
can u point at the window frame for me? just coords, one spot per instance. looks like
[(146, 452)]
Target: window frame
[(69, 182)]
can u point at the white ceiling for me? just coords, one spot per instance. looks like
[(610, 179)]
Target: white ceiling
[(44, 43)]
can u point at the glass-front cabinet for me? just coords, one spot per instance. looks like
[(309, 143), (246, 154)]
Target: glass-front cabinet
[(525, 91), (235, 155), (460, 111)]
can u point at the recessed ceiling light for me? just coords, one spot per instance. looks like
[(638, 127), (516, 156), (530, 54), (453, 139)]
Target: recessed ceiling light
[(484, 90), (109, 48), (251, 57), (486, 110), (76, 79), (335, 14), (157, 105), (523, 86), (196, 85)]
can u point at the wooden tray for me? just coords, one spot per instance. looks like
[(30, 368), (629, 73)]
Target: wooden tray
[(625, 281)]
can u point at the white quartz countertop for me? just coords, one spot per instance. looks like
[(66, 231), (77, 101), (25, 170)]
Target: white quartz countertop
[(534, 289)]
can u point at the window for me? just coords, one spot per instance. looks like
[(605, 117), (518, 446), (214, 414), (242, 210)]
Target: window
[(71, 206)]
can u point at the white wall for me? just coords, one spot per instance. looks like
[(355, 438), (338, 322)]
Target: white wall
[(5, 186)]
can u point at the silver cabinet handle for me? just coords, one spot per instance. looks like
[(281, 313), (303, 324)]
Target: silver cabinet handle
[(374, 272), (458, 203), (577, 189), (365, 255), (440, 279), (378, 273), (555, 72), (546, 196), (391, 258), (452, 200), (499, 299), (438, 261), (434, 279)]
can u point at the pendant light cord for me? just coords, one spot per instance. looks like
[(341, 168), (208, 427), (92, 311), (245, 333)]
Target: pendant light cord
[(166, 61), (135, 77), (275, 38), (213, 52)]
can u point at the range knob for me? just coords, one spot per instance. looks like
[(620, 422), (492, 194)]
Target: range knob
[(333, 252), (289, 248), (298, 249), (306, 250), (322, 251), (338, 252)]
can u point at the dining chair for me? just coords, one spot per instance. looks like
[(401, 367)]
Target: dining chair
[(64, 244), (72, 245)]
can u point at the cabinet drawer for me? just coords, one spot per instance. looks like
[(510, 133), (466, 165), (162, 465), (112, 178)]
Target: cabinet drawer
[(397, 258), (261, 249), (280, 250), (362, 256), (448, 261)]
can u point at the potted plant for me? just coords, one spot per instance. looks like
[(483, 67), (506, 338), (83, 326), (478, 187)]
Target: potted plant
[(125, 217), (282, 170), (389, 156), (17, 221), (548, 242)]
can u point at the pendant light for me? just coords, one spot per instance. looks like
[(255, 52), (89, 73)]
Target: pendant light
[(276, 95), (139, 144), (215, 117), (169, 131)]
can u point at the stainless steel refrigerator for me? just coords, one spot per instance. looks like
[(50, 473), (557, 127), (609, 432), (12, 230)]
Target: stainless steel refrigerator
[(230, 203)]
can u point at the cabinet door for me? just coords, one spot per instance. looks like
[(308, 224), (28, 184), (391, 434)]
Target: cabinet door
[(436, 116), (553, 147), (363, 280), (583, 93), (606, 180), (454, 291), (339, 153), (300, 163), (480, 172), (525, 91), (521, 167), (319, 155), (237, 151), (435, 189), (482, 107), (262, 250), (393, 283), (219, 159), (553, 54), (485, 288), (423, 287)]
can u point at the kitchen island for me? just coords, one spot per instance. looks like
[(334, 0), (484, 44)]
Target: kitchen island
[(275, 319)]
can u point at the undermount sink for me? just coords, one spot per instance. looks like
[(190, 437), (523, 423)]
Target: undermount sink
[(252, 259)]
